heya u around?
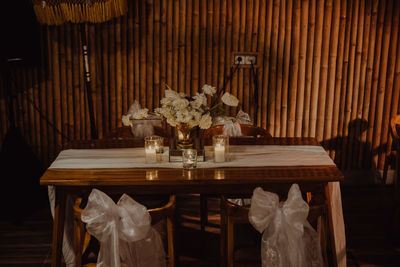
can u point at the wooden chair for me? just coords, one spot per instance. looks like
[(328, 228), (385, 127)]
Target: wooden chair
[(395, 154), (236, 214), (391, 158), (86, 247), (247, 131), (120, 137)]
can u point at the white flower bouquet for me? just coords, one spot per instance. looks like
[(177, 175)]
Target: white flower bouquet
[(178, 109)]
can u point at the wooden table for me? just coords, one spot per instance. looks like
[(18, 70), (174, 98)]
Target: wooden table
[(176, 181)]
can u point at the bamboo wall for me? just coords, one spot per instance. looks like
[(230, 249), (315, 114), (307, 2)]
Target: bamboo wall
[(329, 69)]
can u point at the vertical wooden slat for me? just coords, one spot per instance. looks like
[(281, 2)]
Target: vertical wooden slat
[(195, 75), (293, 83), (375, 78), (203, 42), (242, 32), (136, 48), (333, 55), (143, 53), (309, 67), (248, 84), (335, 139), (268, 117), (130, 55), (157, 54), (324, 71), (105, 74), (224, 52), (389, 85), (279, 68), (382, 81), (273, 94), (316, 68), (286, 63), (352, 132), (343, 85), (149, 16), (350, 85), (111, 86), (361, 95), (215, 42), (163, 47), (235, 42), (368, 83), (49, 100), (175, 45), (188, 48), (181, 46), (124, 67), (302, 67)]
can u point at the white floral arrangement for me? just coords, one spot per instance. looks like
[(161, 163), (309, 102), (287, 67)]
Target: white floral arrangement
[(193, 111)]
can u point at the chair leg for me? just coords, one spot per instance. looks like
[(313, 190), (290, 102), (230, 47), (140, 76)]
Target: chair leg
[(230, 242), (78, 244), (203, 212), (171, 245)]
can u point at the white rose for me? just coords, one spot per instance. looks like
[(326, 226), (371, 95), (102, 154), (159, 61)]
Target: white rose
[(230, 100), (208, 89), (205, 121), (126, 120), (180, 103), (171, 121)]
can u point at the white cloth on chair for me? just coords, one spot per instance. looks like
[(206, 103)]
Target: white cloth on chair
[(68, 242), (288, 239), (124, 232)]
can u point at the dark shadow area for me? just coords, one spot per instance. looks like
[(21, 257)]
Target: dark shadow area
[(353, 154), (21, 194)]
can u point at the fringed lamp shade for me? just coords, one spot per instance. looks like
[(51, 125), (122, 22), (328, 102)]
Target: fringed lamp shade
[(56, 12)]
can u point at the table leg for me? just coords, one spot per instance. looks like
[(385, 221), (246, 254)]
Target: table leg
[(336, 224), (58, 226)]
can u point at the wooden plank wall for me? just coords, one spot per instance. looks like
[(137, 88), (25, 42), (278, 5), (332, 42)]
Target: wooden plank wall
[(329, 69)]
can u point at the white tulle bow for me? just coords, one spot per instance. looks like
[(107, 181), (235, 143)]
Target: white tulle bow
[(288, 239), (124, 232), (232, 129)]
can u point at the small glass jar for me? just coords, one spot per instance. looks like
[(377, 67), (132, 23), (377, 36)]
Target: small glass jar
[(155, 143), (221, 148), (189, 158)]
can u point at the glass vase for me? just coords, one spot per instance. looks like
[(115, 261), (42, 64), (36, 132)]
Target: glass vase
[(184, 137)]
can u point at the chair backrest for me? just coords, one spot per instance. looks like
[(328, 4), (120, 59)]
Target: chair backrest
[(125, 132), (395, 126), (120, 137), (247, 130)]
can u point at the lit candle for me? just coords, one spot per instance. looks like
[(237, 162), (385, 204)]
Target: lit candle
[(151, 156), (219, 153)]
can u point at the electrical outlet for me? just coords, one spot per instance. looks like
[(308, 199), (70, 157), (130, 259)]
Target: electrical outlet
[(245, 59)]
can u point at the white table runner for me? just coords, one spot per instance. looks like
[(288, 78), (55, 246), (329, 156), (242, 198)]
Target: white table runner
[(240, 156)]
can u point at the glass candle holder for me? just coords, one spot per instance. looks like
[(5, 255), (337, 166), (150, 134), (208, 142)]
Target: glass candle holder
[(157, 143), (189, 158), (221, 148)]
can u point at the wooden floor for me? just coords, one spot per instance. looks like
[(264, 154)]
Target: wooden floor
[(368, 213)]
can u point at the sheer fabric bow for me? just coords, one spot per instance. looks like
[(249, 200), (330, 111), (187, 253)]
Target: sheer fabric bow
[(288, 239), (124, 232)]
